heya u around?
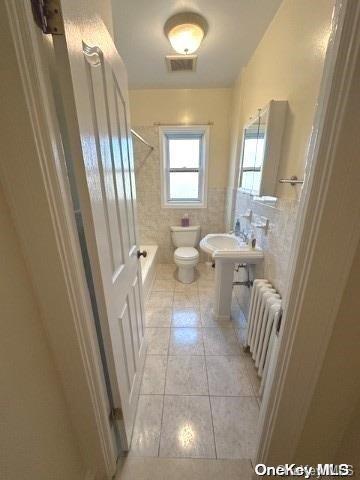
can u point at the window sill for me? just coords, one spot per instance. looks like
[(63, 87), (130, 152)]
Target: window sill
[(252, 193), (184, 205)]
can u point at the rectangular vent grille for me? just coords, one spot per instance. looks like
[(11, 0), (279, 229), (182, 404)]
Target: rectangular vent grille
[(181, 63)]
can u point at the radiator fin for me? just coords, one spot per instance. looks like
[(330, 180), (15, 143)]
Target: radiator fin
[(265, 308)]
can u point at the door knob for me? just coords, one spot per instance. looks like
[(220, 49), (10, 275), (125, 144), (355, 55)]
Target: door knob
[(141, 253)]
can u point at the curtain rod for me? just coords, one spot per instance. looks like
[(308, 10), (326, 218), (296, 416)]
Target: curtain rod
[(159, 124), (139, 137)]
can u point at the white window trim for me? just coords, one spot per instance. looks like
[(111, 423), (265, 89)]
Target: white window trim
[(204, 130)]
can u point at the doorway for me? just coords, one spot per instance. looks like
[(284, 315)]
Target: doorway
[(195, 298)]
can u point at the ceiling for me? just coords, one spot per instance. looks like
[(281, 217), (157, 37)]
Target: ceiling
[(235, 29)]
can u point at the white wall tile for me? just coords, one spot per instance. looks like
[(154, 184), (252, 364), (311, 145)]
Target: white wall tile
[(277, 243), (154, 221)]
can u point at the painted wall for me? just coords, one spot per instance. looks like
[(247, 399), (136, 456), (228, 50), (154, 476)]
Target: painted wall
[(37, 440), (177, 106), (287, 65), (335, 406), (190, 106), (331, 429)]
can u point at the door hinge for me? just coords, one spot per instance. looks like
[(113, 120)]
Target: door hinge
[(116, 414), (47, 15)]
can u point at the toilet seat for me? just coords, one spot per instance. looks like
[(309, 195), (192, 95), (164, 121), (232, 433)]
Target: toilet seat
[(186, 254)]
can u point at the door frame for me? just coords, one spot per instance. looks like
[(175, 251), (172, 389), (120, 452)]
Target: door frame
[(46, 174), (37, 190), (326, 237)]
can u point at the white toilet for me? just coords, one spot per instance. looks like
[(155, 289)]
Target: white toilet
[(186, 257)]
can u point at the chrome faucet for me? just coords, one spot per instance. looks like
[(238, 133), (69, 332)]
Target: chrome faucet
[(244, 236)]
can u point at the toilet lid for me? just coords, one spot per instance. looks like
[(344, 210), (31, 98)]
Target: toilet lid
[(186, 253)]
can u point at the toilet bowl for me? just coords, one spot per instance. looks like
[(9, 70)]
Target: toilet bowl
[(186, 257)]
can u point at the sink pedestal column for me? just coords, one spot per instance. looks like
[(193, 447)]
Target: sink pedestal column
[(224, 276)]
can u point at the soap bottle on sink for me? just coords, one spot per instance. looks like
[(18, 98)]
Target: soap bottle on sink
[(237, 228)]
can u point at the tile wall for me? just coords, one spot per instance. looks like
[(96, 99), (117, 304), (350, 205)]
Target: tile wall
[(153, 221), (277, 244)]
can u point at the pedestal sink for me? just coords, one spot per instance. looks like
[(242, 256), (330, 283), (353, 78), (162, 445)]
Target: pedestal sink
[(227, 250)]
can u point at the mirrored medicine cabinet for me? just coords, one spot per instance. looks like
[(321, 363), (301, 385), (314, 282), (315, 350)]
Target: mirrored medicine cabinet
[(261, 150)]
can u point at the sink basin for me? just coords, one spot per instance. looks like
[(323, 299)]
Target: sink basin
[(231, 248), (227, 250)]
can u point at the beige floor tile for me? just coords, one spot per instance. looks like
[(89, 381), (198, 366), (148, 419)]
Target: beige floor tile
[(235, 426), (187, 428), (160, 300), (208, 319), (160, 267), (186, 375), (186, 287), (205, 270), (181, 328), (206, 294), (153, 381), (158, 316), (186, 341), (206, 302), (158, 340), (228, 376), (220, 341), (163, 285), (241, 334), (165, 271), (186, 299), (184, 469), (186, 317), (206, 283), (252, 373), (146, 435)]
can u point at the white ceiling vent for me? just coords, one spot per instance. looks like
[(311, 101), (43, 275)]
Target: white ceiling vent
[(181, 63)]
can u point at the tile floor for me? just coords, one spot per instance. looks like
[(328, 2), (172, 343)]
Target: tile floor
[(160, 468), (198, 396)]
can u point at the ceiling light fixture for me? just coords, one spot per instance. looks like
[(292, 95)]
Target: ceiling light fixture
[(186, 31)]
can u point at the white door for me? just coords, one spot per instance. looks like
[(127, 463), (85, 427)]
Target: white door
[(105, 180)]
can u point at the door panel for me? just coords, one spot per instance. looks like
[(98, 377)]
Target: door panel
[(99, 108), (105, 179), (123, 140)]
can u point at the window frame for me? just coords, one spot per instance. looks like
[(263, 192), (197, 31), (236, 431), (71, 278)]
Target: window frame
[(165, 132)]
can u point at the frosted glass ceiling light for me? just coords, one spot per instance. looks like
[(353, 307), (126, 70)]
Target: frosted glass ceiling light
[(185, 32)]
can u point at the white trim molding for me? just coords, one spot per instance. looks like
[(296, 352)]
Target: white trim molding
[(326, 238)]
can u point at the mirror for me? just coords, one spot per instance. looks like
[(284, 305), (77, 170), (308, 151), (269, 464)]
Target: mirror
[(261, 149), (253, 155)]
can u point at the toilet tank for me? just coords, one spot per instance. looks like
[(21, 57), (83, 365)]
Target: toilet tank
[(185, 236)]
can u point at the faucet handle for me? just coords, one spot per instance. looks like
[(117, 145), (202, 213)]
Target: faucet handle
[(244, 235)]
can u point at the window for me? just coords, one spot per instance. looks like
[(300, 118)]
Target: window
[(184, 166)]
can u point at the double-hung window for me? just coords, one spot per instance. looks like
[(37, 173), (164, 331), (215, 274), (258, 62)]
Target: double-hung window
[(184, 162)]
